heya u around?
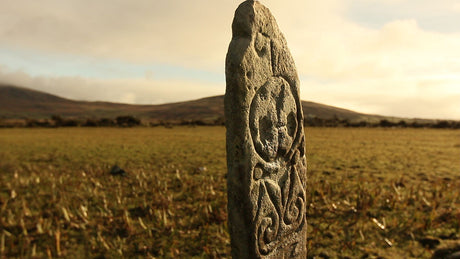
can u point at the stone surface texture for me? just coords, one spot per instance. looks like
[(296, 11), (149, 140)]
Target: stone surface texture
[(265, 140)]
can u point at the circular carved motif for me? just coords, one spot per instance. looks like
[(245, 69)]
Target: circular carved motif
[(273, 119)]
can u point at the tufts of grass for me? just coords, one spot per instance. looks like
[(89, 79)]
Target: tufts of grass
[(371, 192)]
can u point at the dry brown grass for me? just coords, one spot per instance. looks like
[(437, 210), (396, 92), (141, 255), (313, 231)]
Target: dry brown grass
[(372, 192)]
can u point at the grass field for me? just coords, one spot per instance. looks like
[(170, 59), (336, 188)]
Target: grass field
[(371, 192)]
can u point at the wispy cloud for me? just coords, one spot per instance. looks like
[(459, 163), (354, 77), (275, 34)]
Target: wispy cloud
[(192, 33), (368, 55)]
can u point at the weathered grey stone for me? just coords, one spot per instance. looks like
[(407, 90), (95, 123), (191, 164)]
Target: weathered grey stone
[(265, 140)]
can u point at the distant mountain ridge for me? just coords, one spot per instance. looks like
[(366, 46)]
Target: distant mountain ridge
[(19, 103)]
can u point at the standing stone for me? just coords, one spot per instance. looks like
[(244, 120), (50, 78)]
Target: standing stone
[(265, 141)]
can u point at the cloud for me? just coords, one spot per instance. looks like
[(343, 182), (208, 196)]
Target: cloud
[(193, 33), (379, 70), (342, 60), (456, 7), (124, 90), (419, 98), (196, 33)]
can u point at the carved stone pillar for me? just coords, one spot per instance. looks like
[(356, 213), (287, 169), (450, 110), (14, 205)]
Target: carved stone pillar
[(265, 140)]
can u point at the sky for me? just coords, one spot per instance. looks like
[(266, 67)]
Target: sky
[(388, 57)]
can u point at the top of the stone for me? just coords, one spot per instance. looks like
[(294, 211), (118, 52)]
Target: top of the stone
[(252, 17)]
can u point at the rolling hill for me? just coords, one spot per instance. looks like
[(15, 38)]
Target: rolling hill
[(20, 103)]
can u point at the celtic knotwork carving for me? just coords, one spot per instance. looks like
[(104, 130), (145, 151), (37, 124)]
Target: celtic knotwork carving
[(276, 136)]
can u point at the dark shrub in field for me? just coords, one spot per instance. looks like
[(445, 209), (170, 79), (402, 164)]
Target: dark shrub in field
[(32, 123), (127, 121), (105, 122), (442, 125), (386, 124), (90, 123), (70, 123), (58, 121)]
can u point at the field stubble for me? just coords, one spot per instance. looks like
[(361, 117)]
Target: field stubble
[(392, 193)]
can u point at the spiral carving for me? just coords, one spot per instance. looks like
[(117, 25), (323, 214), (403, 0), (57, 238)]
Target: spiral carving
[(276, 134), (267, 228), (295, 207), (276, 220)]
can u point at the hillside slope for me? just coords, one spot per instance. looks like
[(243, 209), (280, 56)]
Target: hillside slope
[(18, 102)]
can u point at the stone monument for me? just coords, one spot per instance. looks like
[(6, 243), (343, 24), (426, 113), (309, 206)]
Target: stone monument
[(265, 140)]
